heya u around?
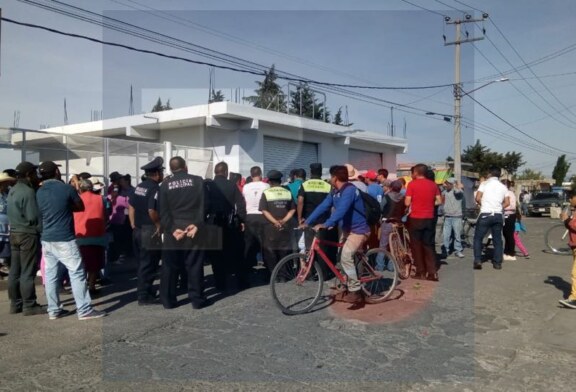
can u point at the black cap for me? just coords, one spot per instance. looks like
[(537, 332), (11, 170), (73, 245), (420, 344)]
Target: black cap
[(25, 167), (48, 167), (274, 175), (84, 175), (154, 165), (114, 176)]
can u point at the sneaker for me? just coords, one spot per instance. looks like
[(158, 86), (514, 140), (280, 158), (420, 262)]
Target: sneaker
[(148, 301), (93, 314), (15, 310), (459, 254), (497, 266), (509, 258), (353, 297), (477, 265), (569, 303), (526, 256), (60, 314), (34, 310)]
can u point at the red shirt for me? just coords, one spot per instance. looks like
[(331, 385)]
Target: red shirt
[(423, 193)]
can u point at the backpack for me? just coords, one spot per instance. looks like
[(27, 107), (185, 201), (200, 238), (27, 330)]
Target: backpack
[(372, 208)]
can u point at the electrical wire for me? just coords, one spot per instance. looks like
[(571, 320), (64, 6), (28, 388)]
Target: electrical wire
[(424, 8), (220, 56), (518, 129)]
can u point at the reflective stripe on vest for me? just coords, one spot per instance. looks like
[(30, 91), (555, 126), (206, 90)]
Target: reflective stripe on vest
[(277, 193), (315, 185)]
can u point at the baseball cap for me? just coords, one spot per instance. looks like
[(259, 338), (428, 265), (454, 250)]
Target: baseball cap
[(25, 167), (48, 167), (451, 180), (371, 175), (274, 175)]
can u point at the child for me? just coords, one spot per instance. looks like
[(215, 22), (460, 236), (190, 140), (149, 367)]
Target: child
[(518, 227), (570, 222)]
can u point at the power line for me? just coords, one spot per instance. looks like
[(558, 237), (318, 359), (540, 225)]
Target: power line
[(302, 80), (449, 6), (424, 8), (530, 85), (469, 6), (518, 129), (529, 68)]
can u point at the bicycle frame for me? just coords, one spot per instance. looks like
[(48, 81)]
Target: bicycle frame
[(315, 249)]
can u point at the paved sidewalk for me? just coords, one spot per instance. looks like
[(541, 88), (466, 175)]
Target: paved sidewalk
[(482, 330)]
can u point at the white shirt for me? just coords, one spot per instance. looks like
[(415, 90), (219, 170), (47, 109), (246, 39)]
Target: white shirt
[(252, 194), (511, 209), (493, 194)]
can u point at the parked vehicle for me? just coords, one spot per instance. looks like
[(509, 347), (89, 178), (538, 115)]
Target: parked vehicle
[(541, 203)]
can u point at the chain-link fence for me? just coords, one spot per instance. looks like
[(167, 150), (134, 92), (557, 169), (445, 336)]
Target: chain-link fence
[(95, 155)]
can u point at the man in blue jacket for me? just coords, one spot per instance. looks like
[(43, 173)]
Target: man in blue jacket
[(349, 212)]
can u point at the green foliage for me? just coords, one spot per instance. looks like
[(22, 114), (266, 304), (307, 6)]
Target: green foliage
[(560, 170), (481, 158), (529, 174), (159, 107), (269, 95), (216, 96), (338, 117), (303, 102)]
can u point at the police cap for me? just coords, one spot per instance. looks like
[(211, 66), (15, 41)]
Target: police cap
[(154, 165), (274, 175)]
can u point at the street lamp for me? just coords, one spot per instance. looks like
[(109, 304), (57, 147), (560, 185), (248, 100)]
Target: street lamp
[(458, 94)]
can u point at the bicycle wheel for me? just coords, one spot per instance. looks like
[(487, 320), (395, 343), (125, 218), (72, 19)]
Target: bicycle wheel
[(557, 240), (399, 254), (296, 285), (468, 234), (377, 283)]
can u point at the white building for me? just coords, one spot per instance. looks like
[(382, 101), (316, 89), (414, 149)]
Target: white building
[(245, 136)]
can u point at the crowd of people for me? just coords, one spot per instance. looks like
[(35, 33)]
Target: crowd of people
[(173, 226)]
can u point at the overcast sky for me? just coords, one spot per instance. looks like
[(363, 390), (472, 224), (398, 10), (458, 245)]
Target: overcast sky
[(348, 42)]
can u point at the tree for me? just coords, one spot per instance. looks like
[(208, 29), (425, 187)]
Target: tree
[(529, 174), (304, 103), (159, 107), (216, 96), (560, 170), (511, 161), (481, 158), (269, 95), (338, 117)]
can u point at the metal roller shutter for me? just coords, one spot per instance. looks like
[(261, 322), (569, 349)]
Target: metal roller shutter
[(365, 160), (285, 155)]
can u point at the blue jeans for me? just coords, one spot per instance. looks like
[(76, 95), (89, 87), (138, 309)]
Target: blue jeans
[(452, 223), (492, 223), (67, 254)]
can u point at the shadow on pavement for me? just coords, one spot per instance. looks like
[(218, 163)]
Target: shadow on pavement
[(560, 284)]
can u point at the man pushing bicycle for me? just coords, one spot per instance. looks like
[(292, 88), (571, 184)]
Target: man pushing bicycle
[(349, 213)]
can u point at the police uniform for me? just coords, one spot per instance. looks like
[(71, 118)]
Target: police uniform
[(313, 192), (277, 243), (227, 212), (147, 246), (182, 203)]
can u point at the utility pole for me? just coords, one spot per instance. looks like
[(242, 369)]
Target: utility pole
[(458, 87)]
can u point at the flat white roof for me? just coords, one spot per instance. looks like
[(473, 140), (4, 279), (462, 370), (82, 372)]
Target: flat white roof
[(196, 115)]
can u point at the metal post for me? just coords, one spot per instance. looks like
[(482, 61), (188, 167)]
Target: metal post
[(457, 111), (167, 153), (106, 164)]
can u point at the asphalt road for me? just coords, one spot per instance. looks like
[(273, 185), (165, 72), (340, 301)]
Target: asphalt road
[(482, 330)]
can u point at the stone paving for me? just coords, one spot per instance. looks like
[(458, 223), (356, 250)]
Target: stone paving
[(474, 330)]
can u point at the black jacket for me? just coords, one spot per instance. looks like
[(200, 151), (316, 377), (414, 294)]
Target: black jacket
[(182, 202), (226, 201)]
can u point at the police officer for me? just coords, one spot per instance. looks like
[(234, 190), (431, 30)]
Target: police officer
[(311, 194), (278, 208), (146, 238), (182, 211), (227, 213)]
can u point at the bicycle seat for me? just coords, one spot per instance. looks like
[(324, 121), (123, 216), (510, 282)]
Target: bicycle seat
[(394, 221)]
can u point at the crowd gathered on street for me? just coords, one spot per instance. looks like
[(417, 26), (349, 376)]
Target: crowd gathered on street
[(175, 225)]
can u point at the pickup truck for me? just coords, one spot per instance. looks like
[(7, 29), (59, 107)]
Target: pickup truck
[(541, 203)]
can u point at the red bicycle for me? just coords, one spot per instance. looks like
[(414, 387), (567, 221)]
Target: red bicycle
[(297, 280)]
